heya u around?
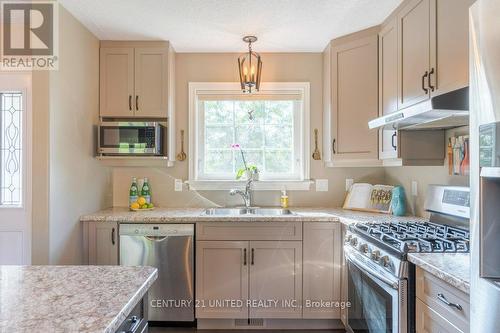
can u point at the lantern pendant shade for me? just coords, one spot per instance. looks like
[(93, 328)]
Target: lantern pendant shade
[(250, 67)]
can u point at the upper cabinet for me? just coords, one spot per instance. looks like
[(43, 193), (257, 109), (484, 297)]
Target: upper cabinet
[(450, 45), (136, 80), (351, 71), (433, 49), (414, 52), (423, 52)]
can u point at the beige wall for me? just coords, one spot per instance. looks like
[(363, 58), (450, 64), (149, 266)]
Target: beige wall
[(424, 177), (78, 182), (222, 67)]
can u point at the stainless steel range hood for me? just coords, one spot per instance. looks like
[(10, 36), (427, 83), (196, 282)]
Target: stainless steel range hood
[(448, 110)]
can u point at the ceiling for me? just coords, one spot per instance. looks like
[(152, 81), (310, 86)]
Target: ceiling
[(219, 25)]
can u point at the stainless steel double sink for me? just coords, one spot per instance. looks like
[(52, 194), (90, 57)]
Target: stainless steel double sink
[(247, 211)]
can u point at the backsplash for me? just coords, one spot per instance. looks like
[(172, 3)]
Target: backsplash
[(163, 194)]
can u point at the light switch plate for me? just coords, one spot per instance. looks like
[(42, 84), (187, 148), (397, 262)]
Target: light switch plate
[(414, 188), (321, 185), (178, 185), (348, 184)]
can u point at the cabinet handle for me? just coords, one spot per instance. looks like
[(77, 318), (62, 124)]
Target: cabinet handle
[(429, 82), (113, 236), (423, 82), (244, 257), (253, 255), (393, 141), (137, 103), (333, 146), (130, 102), (445, 301)]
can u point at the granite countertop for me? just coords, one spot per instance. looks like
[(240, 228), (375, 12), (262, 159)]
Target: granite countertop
[(191, 215), (453, 268), (70, 298)]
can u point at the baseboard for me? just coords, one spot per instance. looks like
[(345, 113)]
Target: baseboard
[(275, 324)]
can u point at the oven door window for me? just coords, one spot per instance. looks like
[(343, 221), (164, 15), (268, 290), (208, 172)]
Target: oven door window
[(372, 305), (127, 137)]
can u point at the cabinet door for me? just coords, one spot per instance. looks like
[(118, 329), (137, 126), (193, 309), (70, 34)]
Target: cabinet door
[(276, 274), (450, 44), (117, 82), (388, 144), (102, 243), (355, 74), (322, 269), (429, 321), (388, 68), (414, 48), (221, 274), (151, 82)]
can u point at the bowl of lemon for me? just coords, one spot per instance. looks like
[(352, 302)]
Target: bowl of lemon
[(141, 205)]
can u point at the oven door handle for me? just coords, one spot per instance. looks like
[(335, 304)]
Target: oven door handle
[(371, 272)]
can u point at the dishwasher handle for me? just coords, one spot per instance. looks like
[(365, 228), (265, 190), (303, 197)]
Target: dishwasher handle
[(156, 238)]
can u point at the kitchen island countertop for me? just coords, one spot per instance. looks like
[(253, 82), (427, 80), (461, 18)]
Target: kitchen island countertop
[(70, 298)]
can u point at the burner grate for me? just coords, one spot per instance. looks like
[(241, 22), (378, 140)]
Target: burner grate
[(417, 236)]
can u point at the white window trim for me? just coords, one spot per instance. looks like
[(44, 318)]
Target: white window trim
[(233, 87)]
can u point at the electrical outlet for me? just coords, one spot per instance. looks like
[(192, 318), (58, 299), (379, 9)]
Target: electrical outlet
[(348, 184), (178, 185), (321, 185), (414, 188)]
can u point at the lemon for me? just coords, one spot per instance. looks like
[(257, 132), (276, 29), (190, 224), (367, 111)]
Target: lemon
[(141, 201), (135, 205)]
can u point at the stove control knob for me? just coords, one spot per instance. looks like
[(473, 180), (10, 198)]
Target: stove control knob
[(385, 261), (348, 238), (363, 248), (354, 241), (376, 255)]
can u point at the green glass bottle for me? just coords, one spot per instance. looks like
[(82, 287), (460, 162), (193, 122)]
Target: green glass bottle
[(146, 191), (134, 192)]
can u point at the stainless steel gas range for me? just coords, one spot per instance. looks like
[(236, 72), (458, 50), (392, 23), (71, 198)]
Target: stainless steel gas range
[(381, 281)]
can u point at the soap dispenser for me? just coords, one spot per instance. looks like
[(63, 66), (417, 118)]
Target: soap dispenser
[(284, 199)]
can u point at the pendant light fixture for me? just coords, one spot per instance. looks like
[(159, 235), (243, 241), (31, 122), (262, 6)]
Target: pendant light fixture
[(250, 67)]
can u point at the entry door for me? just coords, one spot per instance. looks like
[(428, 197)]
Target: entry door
[(15, 169)]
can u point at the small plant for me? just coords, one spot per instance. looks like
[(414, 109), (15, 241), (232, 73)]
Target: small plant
[(249, 169)]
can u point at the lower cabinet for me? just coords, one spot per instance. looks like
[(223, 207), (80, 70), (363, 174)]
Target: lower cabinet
[(100, 243), (440, 307), (230, 275), (429, 321), (322, 270), (273, 270), (276, 274)]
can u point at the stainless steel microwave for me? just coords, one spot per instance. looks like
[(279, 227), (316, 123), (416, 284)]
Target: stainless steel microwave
[(132, 138)]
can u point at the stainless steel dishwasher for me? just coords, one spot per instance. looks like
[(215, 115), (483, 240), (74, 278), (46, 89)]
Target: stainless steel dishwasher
[(168, 247)]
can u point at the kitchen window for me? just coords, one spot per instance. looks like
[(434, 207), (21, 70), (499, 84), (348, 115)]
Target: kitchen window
[(271, 127)]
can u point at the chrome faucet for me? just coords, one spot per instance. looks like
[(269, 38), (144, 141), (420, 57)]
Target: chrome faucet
[(247, 195)]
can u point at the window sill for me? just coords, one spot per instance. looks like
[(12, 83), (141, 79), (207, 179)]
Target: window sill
[(221, 185)]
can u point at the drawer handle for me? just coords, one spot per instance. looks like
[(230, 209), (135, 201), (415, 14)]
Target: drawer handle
[(445, 301), (244, 257), (253, 255)]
